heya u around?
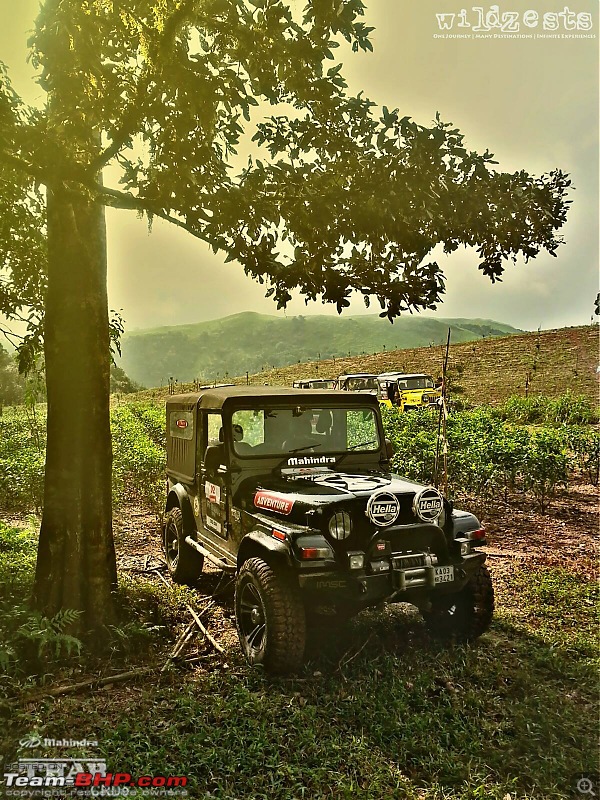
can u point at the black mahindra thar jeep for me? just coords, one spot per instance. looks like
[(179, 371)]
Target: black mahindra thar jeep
[(291, 490)]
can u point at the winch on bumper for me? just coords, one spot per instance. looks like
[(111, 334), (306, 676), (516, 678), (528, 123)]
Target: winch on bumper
[(399, 576)]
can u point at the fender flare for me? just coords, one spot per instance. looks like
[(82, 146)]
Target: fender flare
[(463, 522), (260, 543), (178, 496)]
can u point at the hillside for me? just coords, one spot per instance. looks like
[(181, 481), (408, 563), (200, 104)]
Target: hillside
[(250, 342), (488, 370)]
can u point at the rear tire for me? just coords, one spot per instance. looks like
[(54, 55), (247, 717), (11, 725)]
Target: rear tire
[(466, 615), (184, 563), (270, 618)]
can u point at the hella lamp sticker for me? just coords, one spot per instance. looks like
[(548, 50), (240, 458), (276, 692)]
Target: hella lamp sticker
[(273, 502), (383, 508), (428, 504)]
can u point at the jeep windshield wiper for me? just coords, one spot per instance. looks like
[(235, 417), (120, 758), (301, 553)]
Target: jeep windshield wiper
[(362, 444), (305, 447)]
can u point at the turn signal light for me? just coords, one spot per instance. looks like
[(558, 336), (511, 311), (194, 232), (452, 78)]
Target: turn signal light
[(309, 553), (478, 534)]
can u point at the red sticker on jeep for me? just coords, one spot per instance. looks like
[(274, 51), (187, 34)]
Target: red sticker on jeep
[(273, 502), (182, 423)]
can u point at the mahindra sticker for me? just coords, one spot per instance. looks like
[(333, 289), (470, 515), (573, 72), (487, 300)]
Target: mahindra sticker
[(383, 508), (428, 504), (307, 461), (273, 502), (182, 423)]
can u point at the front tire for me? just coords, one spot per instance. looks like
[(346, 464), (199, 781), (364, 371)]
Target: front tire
[(466, 615), (270, 618), (184, 563)]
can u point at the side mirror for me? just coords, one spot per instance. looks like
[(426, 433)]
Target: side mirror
[(389, 449)]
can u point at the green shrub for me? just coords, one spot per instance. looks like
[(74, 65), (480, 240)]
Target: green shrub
[(22, 457), (572, 409), (545, 467), (486, 455), (525, 410), (568, 409), (28, 640), (138, 461), (584, 443)]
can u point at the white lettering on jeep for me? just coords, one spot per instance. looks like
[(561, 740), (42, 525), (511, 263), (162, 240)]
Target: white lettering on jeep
[(302, 461)]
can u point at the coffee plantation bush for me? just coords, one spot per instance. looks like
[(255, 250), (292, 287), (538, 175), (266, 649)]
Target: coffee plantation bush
[(22, 457), (487, 456), (138, 433), (138, 459), (568, 409)]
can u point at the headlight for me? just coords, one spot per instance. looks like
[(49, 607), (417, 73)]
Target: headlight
[(340, 525)]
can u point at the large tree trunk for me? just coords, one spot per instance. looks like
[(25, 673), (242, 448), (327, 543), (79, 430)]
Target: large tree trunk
[(76, 560)]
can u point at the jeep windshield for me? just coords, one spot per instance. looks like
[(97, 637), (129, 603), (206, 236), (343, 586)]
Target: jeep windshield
[(416, 382), (304, 429), (360, 384)]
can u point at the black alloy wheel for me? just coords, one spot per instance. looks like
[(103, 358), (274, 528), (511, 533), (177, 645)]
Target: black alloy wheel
[(270, 618), (184, 563)]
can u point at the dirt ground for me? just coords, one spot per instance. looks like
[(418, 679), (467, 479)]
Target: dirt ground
[(519, 537)]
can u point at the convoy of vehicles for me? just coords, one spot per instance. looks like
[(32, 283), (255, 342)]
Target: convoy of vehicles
[(291, 491), (402, 390)]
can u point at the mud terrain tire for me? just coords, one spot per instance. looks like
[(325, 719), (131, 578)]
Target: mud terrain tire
[(184, 563), (466, 615), (270, 618)]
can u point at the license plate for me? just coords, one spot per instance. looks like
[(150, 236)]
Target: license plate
[(443, 574)]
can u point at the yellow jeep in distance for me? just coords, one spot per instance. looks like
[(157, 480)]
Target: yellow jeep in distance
[(407, 391)]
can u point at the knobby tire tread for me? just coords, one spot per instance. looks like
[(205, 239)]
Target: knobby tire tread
[(286, 623)]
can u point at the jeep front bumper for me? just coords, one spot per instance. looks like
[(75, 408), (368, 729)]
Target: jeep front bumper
[(395, 581)]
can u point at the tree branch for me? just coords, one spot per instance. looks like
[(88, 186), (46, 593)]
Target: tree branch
[(22, 166), (130, 114), (117, 199)]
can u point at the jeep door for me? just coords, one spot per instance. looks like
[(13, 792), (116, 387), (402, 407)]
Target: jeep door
[(213, 489)]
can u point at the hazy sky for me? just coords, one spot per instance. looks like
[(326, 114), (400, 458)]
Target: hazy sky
[(531, 101)]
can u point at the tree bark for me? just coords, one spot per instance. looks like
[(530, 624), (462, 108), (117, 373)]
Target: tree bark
[(76, 565)]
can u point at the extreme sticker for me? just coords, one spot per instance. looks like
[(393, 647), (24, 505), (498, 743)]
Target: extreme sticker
[(213, 492), (273, 502)]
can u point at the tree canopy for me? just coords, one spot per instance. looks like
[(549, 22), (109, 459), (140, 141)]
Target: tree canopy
[(343, 200), (161, 96)]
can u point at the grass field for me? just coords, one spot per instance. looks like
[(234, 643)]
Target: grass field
[(379, 710)]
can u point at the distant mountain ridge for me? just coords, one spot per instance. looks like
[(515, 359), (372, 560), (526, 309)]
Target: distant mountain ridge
[(250, 342)]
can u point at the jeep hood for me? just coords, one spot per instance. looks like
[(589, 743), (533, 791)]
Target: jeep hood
[(292, 496)]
